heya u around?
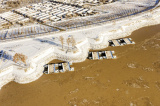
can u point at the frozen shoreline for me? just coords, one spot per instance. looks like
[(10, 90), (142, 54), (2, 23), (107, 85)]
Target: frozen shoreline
[(103, 33)]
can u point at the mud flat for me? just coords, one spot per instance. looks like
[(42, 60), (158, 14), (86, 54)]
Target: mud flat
[(131, 79)]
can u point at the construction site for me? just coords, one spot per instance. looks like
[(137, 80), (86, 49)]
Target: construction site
[(33, 35)]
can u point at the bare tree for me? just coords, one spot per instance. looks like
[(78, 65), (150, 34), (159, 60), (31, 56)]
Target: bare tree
[(62, 40), (18, 32), (114, 22), (2, 37), (32, 30), (45, 29), (73, 41), (19, 57), (68, 41), (21, 31), (35, 29)]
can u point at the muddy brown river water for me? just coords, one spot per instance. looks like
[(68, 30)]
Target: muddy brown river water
[(133, 79)]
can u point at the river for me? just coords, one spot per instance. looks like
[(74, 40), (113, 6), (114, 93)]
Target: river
[(131, 79)]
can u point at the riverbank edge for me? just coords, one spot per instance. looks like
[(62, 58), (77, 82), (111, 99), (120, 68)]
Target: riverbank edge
[(35, 70)]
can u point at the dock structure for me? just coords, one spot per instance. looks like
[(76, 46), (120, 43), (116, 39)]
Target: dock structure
[(101, 55), (120, 42), (109, 54), (128, 41), (95, 55), (57, 68), (116, 43)]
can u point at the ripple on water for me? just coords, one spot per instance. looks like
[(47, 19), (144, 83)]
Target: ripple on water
[(137, 83)]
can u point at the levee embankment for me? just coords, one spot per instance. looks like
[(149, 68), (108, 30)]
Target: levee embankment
[(117, 29)]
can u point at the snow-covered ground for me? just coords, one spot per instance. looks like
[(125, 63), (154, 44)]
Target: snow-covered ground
[(43, 49)]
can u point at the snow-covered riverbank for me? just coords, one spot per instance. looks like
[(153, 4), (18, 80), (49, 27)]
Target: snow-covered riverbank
[(93, 37)]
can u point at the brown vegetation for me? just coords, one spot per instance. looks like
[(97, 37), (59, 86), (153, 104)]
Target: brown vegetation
[(68, 41), (17, 3), (103, 1), (19, 57), (73, 41), (13, 4), (62, 40)]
